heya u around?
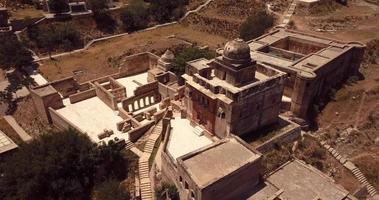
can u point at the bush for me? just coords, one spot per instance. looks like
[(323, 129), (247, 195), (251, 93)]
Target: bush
[(167, 10), (56, 36), (58, 165), (189, 54), (13, 54), (255, 25), (58, 6), (104, 21), (135, 16), (166, 190)]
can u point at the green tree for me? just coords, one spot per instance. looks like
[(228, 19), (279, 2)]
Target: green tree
[(164, 10), (166, 190), (255, 25), (55, 166), (58, 6), (13, 54), (97, 5), (189, 54), (58, 36), (135, 16)]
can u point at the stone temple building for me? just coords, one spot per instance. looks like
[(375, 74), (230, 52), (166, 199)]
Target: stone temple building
[(233, 93), (314, 65)]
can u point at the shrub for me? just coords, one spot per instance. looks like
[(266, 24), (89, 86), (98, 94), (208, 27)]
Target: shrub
[(58, 6), (166, 189), (189, 54), (256, 25), (167, 10), (58, 165), (135, 16), (13, 54), (56, 36)]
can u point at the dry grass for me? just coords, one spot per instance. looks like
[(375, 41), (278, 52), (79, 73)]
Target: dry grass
[(94, 61)]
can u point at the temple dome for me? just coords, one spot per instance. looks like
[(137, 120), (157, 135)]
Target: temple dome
[(168, 56), (237, 51)]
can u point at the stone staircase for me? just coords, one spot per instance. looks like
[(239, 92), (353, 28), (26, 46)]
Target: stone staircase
[(128, 144), (353, 168), (143, 163), (289, 13)]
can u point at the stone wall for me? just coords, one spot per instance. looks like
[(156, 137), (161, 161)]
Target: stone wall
[(137, 63), (284, 137), (42, 103), (80, 96), (66, 86), (136, 133), (106, 96), (145, 96), (60, 122)]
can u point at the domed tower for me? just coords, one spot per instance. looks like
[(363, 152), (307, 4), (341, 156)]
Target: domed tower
[(165, 62), (235, 66)]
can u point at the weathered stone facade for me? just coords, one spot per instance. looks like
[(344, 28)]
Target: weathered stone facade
[(232, 94), (314, 65)]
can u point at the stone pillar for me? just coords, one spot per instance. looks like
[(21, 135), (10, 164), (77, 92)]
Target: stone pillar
[(302, 95)]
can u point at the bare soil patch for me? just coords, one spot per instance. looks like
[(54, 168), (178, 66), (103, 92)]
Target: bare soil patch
[(223, 17), (96, 61)]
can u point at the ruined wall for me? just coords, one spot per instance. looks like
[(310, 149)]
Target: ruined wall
[(80, 96), (42, 103), (137, 63), (106, 96), (60, 122), (118, 90), (66, 86), (145, 95)]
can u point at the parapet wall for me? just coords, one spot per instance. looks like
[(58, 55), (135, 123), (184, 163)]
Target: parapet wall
[(108, 98), (136, 133), (137, 63), (80, 96), (60, 122)]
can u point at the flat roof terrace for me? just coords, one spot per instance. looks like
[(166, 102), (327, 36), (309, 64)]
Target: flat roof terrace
[(92, 116), (300, 181), (218, 161), (6, 144), (183, 139), (132, 82)]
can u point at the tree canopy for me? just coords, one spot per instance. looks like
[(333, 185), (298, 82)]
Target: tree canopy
[(166, 10), (189, 54), (58, 6), (13, 54), (166, 190), (135, 16), (59, 165), (56, 36), (255, 25)]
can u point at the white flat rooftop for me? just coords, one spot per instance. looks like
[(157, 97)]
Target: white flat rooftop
[(92, 116), (6, 144), (132, 82), (183, 140)]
